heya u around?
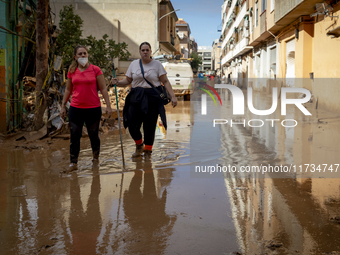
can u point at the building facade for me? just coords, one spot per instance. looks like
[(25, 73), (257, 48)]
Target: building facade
[(167, 28), (130, 21), (292, 43), (183, 32), (216, 56), (205, 53), (193, 45)]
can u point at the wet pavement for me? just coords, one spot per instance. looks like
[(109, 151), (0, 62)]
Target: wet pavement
[(163, 206)]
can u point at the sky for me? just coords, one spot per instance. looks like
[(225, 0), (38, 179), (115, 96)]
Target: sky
[(203, 17)]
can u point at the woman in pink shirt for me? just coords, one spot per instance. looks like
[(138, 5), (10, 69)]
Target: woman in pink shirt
[(83, 81)]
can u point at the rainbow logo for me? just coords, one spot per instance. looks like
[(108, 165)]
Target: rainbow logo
[(209, 93)]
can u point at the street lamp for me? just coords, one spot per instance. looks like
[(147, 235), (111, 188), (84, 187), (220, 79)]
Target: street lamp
[(168, 14)]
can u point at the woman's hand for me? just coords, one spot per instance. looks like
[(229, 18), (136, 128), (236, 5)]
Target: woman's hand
[(109, 111), (114, 81), (174, 101), (63, 112)]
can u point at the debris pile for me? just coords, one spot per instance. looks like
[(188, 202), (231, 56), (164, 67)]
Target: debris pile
[(29, 81), (122, 93)]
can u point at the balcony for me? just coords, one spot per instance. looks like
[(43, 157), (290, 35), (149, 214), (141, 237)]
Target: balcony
[(239, 49), (236, 23), (282, 8), (229, 14), (287, 12)]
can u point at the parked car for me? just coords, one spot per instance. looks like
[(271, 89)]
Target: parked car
[(181, 77)]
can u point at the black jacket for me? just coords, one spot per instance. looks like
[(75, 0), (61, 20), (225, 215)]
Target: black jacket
[(140, 95)]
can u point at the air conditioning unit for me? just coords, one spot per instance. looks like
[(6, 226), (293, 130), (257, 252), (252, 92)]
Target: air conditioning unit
[(246, 33), (246, 23)]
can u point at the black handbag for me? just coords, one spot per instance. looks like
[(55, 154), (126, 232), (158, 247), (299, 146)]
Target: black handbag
[(164, 94)]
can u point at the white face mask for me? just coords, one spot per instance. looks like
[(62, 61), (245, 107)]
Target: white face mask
[(83, 61)]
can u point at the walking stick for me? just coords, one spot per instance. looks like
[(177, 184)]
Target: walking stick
[(120, 129)]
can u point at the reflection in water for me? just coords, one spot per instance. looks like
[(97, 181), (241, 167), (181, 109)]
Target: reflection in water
[(277, 214), (85, 225), (114, 212), (296, 215), (145, 213)]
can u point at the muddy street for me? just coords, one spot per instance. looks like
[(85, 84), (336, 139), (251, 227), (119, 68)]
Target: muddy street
[(167, 206)]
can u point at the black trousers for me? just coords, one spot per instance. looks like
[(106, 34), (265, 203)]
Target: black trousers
[(77, 118), (149, 120)]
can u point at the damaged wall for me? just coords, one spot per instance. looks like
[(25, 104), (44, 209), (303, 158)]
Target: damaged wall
[(3, 105), (10, 92), (3, 94)]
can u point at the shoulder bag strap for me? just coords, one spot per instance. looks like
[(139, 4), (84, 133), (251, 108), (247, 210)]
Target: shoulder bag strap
[(152, 86)]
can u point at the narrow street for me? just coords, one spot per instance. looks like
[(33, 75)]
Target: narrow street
[(164, 206)]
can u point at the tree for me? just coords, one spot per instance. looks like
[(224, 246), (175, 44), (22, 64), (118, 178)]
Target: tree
[(101, 52), (41, 62), (70, 25), (196, 61)]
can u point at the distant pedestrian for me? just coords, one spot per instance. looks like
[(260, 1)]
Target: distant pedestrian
[(143, 104), (83, 81), (229, 78), (201, 75), (223, 78)]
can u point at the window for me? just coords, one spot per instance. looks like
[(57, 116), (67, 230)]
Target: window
[(264, 5), (272, 5), (256, 14), (207, 54), (272, 67)]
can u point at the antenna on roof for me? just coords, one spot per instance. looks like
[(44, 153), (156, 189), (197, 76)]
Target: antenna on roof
[(323, 9)]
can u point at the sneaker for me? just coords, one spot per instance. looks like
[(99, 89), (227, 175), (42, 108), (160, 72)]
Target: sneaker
[(147, 154), (72, 167), (139, 151)]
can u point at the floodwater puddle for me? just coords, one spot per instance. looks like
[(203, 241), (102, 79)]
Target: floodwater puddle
[(161, 206)]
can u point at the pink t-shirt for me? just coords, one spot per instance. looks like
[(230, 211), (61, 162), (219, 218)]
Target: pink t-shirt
[(84, 93)]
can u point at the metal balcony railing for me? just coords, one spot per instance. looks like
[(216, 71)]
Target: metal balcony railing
[(284, 7)]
